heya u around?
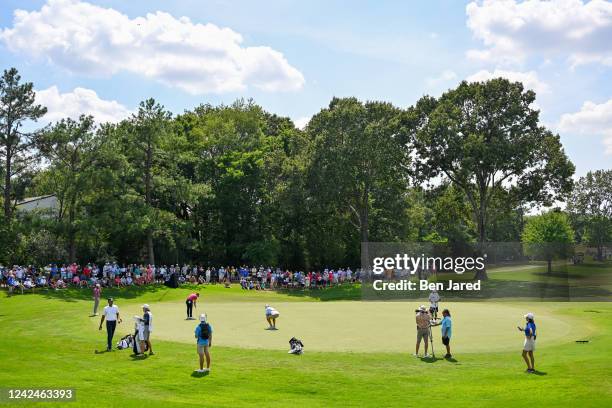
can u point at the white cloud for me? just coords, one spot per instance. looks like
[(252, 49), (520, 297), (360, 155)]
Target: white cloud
[(591, 119), (301, 122), (512, 30), (198, 58), (529, 79), (445, 76), (79, 101)]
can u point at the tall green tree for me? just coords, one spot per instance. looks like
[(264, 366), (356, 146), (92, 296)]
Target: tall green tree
[(359, 164), (485, 137), (148, 128), (548, 236), (70, 148), (591, 204), (17, 106)]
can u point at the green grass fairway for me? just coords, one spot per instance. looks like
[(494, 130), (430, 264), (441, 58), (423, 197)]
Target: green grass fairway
[(357, 353)]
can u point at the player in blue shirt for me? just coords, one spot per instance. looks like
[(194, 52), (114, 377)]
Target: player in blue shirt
[(203, 334), (447, 331), (529, 345)]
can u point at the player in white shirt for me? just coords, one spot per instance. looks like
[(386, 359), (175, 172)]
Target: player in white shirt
[(111, 315), (271, 316), (434, 298)]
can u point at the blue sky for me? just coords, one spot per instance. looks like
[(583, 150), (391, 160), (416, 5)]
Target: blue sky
[(292, 57)]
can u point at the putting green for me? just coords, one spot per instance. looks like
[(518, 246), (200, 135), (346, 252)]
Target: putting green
[(360, 326)]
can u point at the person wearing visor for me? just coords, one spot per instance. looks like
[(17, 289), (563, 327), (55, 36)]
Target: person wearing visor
[(529, 344)]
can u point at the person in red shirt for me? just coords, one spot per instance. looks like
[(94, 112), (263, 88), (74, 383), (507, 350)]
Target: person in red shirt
[(191, 302), (87, 271)]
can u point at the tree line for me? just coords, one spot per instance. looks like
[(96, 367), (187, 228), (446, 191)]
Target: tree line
[(233, 184)]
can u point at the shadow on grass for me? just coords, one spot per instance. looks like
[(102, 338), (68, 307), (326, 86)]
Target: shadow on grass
[(560, 274), (74, 294), (430, 360), (540, 373), (195, 374), (452, 360), (139, 357), (347, 291)]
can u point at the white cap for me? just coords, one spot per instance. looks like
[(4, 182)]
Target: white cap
[(422, 308), (529, 316), (267, 306), (146, 306), (203, 317)]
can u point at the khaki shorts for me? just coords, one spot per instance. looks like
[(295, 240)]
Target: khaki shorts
[(145, 334), (201, 349), (422, 334)]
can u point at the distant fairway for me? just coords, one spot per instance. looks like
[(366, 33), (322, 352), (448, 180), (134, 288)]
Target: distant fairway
[(362, 326)]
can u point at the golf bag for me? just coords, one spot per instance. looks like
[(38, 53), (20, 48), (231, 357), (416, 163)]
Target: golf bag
[(296, 345), (125, 342)]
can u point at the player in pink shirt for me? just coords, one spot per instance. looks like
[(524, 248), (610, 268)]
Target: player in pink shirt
[(191, 302)]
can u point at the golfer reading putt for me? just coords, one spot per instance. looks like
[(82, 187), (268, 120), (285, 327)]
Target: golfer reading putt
[(271, 316), (190, 302), (203, 334), (529, 344)]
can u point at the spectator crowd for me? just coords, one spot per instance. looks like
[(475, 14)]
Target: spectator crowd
[(112, 274)]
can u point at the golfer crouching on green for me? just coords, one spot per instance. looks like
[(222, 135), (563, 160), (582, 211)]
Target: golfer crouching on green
[(203, 334), (529, 344)]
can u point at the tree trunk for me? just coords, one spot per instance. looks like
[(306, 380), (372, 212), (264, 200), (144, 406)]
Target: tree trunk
[(7, 187), (481, 274), (71, 231), (148, 165), (600, 253), (150, 248), (549, 266)]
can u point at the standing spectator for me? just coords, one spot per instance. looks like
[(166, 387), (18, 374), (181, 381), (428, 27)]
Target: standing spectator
[(203, 334), (111, 314), (191, 302), (434, 298), (96, 297), (423, 320)]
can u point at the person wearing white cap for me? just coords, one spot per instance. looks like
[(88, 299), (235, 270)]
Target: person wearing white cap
[(147, 318), (203, 334), (271, 315), (423, 321), (434, 298), (529, 344)]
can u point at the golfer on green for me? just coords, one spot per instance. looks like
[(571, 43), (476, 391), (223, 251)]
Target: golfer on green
[(529, 344)]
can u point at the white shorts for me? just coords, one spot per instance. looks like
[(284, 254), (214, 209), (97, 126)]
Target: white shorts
[(529, 344), (274, 315)]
